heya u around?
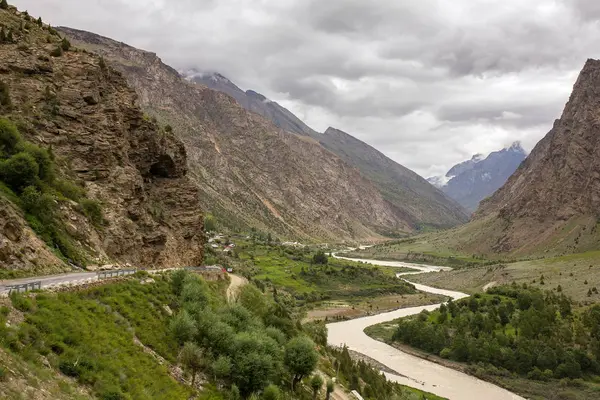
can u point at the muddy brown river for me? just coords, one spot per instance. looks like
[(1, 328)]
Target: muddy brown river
[(416, 372)]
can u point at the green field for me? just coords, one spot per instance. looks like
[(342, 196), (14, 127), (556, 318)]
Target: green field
[(294, 270)]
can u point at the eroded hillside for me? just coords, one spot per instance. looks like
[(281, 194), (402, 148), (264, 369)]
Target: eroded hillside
[(105, 151), (251, 173)]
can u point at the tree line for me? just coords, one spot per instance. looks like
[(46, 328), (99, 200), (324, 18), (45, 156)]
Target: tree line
[(520, 329)]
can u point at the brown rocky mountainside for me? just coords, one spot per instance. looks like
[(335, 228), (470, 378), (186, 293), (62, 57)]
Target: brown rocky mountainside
[(84, 113), (409, 193), (420, 203), (551, 204), (251, 172)]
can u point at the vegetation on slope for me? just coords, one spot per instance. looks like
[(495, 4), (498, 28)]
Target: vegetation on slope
[(28, 178), (515, 333), (120, 341)]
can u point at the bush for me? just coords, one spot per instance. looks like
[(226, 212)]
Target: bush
[(69, 189), (42, 157), (20, 171), (9, 135), (21, 302), (271, 392), (3, 5), (57, 52), (65, 45), (93, 210)]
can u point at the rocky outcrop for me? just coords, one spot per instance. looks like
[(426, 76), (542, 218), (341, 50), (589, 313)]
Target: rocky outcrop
[(550, 204), (86, 113)]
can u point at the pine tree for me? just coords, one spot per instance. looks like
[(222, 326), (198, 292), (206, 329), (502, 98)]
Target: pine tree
[(39, 22), (3, 4), (2, 35), (65, 44)]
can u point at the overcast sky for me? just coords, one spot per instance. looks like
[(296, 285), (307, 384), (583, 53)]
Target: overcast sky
[(428, 82)]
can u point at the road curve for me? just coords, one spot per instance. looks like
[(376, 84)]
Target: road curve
[(416, 372)]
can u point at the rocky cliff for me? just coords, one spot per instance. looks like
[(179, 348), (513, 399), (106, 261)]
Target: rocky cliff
[(252, 173), (550, 204), (69, 102), (473, 180)]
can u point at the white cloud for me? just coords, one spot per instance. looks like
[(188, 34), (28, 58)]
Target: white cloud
[(428, 83)]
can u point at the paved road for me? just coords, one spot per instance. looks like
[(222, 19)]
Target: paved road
[(418, 373), (49, 280)]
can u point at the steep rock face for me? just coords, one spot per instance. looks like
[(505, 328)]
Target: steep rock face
[(474, 180), (551, 203), (410, 194), (251, 173), (86, 113)]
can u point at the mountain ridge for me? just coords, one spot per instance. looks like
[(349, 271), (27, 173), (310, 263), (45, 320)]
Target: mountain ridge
[(398, 185), (206, 122), (252, 174), (473, 180)]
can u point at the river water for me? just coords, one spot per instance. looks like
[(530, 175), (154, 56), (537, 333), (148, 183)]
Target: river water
[(416, 372)]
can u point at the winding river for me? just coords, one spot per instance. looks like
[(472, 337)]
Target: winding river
[(416, 372)]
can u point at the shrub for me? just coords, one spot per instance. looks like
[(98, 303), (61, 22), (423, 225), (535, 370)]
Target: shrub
[(3, 4), (271, 392), (93, 210), (21, 302), (20, 171), (69, 189), (42, 157), (57, 52), (9, 135), (65, 45)]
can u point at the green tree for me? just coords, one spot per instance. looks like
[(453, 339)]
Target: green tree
[(65, 44), (254, 300), (3, 38), (9, 135), (20, 171), (182, 327), (320, 258), (330, 389), (221, 367), (271, 392), (192, 359), (210, 225), (300, 358), (3, 4), (42, 157), (177, 279), (194, 290), (316, 383)]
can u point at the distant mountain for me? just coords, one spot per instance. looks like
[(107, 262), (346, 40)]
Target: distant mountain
[(411, 195), (251, 101), (473, 180), (407, 191)]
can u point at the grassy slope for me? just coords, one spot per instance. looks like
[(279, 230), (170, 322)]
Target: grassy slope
[(89, 335)]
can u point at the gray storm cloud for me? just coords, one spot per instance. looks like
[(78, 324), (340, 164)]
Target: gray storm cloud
[(429, 83)]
